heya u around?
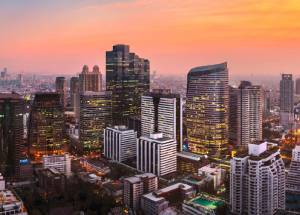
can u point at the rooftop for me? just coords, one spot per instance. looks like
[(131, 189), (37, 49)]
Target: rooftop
[(207, 203), (9, 201), (190, 156), (208, 68)]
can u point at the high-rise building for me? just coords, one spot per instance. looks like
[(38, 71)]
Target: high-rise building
[(136, 186), (257, 181), (245, 114), (61, 163), (267, 103), (119, 143), (298, 86), (90, 80), (61, 88), (11, 133), (46, 125), (156, 154), (286, 100), (127, 77), (293, 176), (162, 112), (74, 94), (207, 109), (95, 116)]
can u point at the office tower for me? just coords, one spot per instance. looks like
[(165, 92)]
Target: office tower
[(162, 112), (61, 89), (127, 77), (286, 100), (74, 94), (95, 116), (136, 186), (245, 114), (119, 143), (156, 154), (61, 163), (46, 125), (11, 133), (293, 176), (207, 109), (257, 181), (90, 80), (298, 86)]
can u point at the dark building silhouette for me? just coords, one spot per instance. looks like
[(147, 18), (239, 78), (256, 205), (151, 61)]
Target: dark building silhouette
[(11, 134), (127, 77), (61, 88), (46, 125)]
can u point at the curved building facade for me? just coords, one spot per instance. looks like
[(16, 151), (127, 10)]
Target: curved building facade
[(207, 109)]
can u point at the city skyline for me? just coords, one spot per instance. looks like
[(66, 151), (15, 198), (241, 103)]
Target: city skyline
[(255, 37)]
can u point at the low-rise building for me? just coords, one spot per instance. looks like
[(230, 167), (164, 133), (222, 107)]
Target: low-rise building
[(214, 173), (136, 186), (155, 202), (203, 205), (62, 163)]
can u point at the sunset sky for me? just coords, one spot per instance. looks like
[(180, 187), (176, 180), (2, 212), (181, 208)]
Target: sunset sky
[(59, 36)]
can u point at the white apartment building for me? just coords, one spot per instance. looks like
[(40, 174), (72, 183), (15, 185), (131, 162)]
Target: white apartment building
[(156, 154), (119, 143), (293, 176), (61, 163), (257, 181)]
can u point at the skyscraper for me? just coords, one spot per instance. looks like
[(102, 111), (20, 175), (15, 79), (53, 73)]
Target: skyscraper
[(127, 77), (286, 100), (156, 154), (90, 80), (61, 88), (95, 116), (245, 114), (11, 133), (298, 86), (46, 125), (162, 112), (257, 181), (74, 94), (207, 109)]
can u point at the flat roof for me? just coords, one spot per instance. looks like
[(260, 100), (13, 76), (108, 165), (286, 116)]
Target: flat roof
[(190, 156), (207, 203)]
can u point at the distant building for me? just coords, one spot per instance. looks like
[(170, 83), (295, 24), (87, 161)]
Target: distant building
[(62, 163), (257, 181), (298, 86), (74, 94), (286, 100), (162, 112), (46, 125), (136, 186), (11, 133), (156, 154), (90, 80), (119, 143), (127, 77), (207, 109), (95, 116), (155, 202), (61, 89), (245, 114), (52, 182)]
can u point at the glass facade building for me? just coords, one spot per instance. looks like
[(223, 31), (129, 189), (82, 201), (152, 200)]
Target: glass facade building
[(11, 133), (127, 77), (46, 125), (207, 109)]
